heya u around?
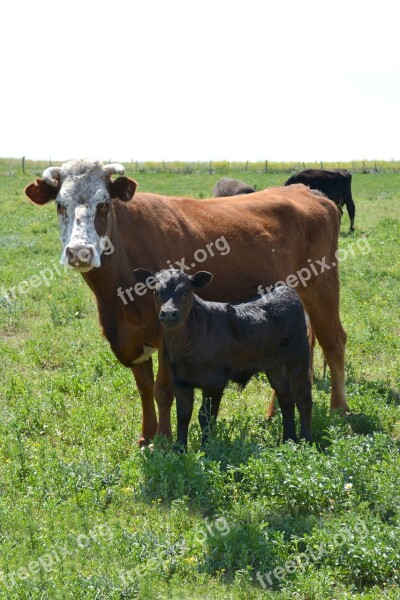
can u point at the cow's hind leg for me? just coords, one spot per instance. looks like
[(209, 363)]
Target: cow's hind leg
[(333, 340), (143, 374), (280, 382), (324, 314), (208, 412), (333, 349)]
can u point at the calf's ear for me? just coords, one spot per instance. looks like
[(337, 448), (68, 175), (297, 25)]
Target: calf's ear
[(201, 279), (143, 275), (123, 188), (40, 192)]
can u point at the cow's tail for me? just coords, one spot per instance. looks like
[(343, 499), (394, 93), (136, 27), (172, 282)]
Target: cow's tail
[(311, 341)]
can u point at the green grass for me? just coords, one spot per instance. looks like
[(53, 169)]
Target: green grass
[(85, 514)]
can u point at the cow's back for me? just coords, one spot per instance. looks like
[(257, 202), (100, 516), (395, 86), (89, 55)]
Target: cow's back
[(269, 235)]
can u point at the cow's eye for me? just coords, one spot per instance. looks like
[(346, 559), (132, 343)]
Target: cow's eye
[(104, 206), (61, 210)]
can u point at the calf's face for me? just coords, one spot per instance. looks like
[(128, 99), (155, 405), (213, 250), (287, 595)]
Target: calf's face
[(173, 292), (83, 191)]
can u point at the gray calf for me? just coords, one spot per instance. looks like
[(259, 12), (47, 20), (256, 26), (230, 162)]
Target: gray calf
[(208, 344), (231, 187)]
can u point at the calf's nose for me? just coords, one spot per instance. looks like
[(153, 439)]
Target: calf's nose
[(168, 314)]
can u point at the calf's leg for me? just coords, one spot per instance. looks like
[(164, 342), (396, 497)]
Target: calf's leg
[(164, 394), (300, 386), (143, 374), (311, 340), (184, 408), (280, 382), (208, 412)]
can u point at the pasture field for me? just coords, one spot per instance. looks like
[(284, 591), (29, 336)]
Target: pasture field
[(85, 514)]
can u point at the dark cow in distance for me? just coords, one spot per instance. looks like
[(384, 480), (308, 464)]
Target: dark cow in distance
[(231, 187), (208, 344), (335, 184), (108, 229)]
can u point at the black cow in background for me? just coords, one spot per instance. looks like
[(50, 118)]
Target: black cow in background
[(231, 187), (335, 184)]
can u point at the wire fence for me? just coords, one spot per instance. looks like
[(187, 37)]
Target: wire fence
[(226, 167), (11, 166)]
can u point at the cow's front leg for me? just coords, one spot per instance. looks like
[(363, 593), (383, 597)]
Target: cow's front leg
[(143, 374)]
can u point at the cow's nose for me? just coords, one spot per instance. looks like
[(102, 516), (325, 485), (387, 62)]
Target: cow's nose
[(79, 255)]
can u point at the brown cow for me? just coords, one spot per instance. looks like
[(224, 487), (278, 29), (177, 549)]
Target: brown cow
[(107, 231)]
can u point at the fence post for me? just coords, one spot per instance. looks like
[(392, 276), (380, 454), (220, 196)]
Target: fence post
[(23, 165), (210, 167), (266, 166), (247, 165), (322, 165)]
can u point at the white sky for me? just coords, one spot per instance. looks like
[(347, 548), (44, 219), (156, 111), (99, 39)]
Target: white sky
[(167, 80)]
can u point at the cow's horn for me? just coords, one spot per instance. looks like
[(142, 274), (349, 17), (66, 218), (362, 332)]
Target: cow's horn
[(113, 169), (52, 175)]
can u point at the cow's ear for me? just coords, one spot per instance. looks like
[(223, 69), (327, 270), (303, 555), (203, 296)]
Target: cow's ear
[(40, 192), (201, 279), (123, 188), (143, 275)]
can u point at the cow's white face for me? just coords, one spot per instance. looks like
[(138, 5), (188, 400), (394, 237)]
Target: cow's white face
[(83, 205), (83, 192)]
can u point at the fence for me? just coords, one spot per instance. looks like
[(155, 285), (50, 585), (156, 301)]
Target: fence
[(226, 167), (9, 166)]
